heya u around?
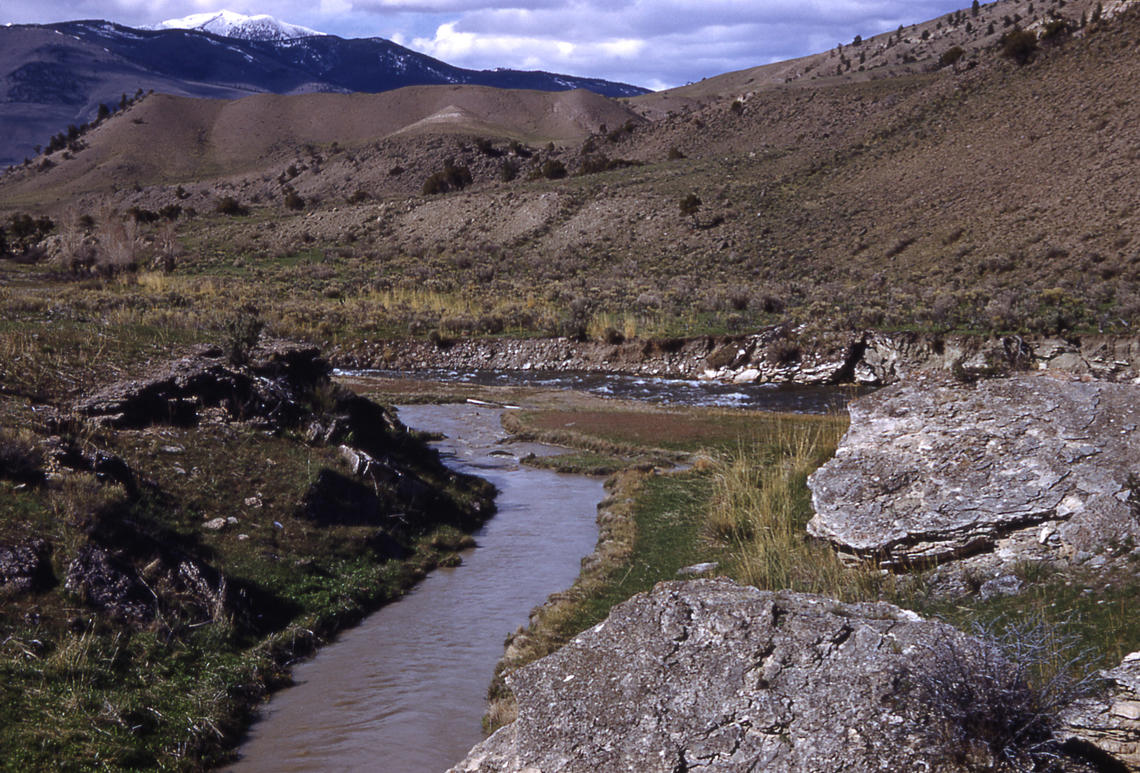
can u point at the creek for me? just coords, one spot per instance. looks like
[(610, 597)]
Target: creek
[(405, 690), (786, 398)]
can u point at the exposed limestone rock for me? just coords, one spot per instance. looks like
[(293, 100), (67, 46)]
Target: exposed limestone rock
[(1111, 724), (932, 469), (710, 675)]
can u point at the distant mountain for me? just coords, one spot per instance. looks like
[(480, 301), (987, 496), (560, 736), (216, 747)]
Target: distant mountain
[(228, 24), (55, 75)]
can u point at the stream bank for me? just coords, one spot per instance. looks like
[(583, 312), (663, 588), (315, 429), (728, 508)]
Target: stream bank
[(775, 355)]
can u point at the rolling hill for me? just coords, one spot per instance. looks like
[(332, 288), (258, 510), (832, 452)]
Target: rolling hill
[(55, 75)]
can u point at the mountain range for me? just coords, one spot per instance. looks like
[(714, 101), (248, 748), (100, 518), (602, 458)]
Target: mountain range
[(56, 75)]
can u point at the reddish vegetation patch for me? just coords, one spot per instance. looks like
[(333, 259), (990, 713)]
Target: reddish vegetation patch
[(658, 428)]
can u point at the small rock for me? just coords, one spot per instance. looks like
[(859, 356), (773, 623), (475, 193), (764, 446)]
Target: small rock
[(254, 502), (172, 449), (695, 569), (242, 537), (215, 524), (1006, 585)]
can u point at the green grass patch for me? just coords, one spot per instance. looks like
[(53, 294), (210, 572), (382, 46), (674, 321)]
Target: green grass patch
[(668, 515)]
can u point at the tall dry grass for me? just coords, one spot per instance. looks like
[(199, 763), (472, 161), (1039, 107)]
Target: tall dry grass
[(760, 509)]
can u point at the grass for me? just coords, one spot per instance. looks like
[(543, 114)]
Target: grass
[(760, 512), (585, 462), (80, 689)]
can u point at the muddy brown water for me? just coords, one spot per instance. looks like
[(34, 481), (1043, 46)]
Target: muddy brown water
[(405, 690)]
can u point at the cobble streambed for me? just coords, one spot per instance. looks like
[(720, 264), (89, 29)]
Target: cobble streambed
[(786, 398), (404, 691)]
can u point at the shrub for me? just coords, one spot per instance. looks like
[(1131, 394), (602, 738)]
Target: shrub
[(141, 215), (1001, 699), (508, 171), (485, 147), (359, 196), (171, 212), (690, 204), (602, 163), (231, 206), (951, 56), (24, 231), (20, 460), (452, 177), (294, 200), (120, 246), (1019, 45), (1055, 30), (674, 154), (242, 334), (612, 336), (553, 169)]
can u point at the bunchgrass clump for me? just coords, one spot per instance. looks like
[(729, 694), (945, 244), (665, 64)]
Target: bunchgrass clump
[(760, 508)]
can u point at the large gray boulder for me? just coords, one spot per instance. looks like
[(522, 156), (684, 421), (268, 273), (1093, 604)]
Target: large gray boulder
[(712, 676), (932, 469)]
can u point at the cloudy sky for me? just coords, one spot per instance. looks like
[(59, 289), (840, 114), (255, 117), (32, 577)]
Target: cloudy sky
[(653, 43)]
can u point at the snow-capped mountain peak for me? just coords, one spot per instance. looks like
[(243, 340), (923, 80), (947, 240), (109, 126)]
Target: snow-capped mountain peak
[(236, 25)]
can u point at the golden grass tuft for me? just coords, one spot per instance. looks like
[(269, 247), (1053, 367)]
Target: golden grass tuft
[(760, 511)]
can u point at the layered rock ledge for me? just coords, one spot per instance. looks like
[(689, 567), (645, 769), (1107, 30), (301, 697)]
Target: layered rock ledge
[(933, 469), (709, 675), (1110, 723)]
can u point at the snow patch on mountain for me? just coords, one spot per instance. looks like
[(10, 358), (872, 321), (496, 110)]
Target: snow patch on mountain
[(236, 25)]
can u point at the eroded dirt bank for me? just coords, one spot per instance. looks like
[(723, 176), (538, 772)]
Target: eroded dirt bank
[(778, 354)]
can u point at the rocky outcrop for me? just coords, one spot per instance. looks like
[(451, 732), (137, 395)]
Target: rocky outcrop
[(778, 354), (273, 386), (1110, 725), (180, 587), (932, 469), (108, 584), (710, 675), (26, 567)]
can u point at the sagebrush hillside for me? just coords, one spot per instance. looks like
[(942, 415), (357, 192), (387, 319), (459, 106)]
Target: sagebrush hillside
[(986, 193)]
